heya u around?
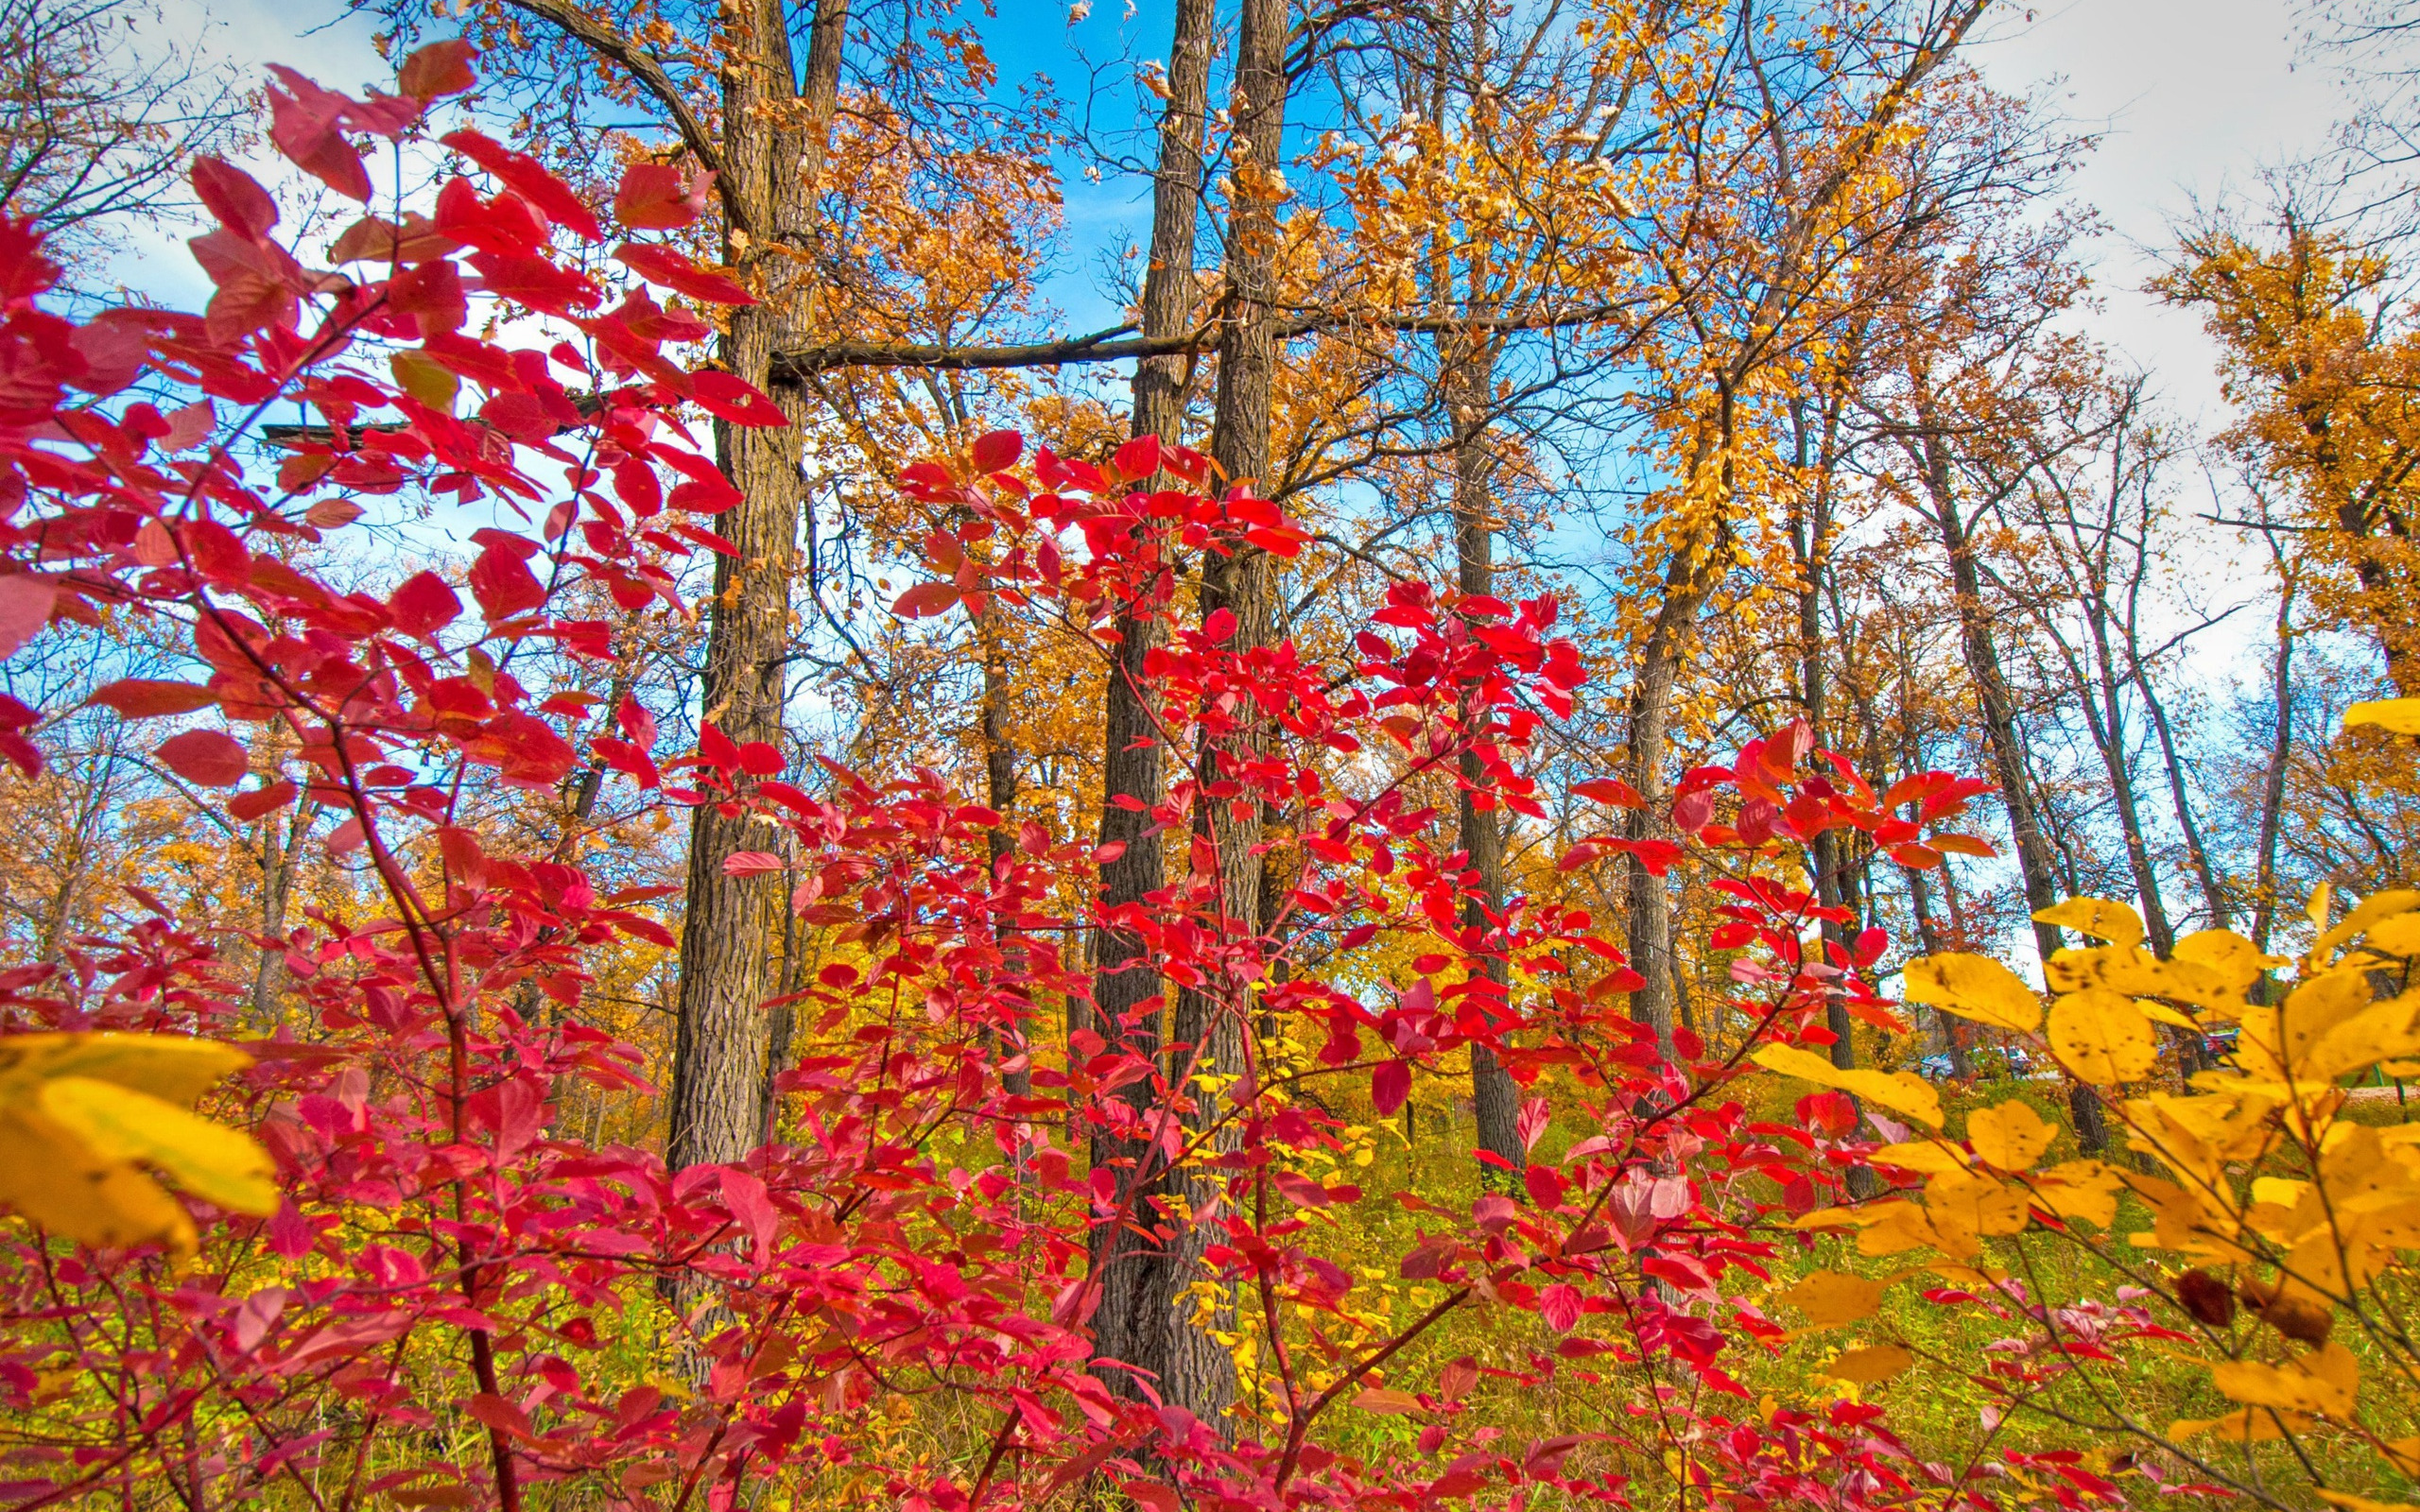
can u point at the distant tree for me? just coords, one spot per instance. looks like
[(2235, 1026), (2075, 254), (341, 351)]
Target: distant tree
[(101, 112)]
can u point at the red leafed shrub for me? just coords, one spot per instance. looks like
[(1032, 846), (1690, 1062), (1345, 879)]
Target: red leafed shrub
[(462, 1303)]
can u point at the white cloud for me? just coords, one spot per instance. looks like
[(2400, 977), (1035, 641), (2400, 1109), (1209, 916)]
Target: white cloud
[(2194, 97)]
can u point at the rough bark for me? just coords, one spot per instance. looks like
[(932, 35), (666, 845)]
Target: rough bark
[(1207, 1027), (1810, 539), (279, 861), (1470, 389), (775, 132), (1127, 991), (1688, 581)]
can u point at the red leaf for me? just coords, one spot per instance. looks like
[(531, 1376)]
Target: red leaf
[(997, 451), (25, 607), (146, 698), (261, 801), (234, 197), (654, 197), (1138, 458), (735, 399), (925, 598), (1559, 1307), (1606, 790), (438, 69), (206, 757), (1301, 1189), (1964, 845), (529, 177), (423, 605), (504, 585), (1152, 1495), (305, 123), (1389, 1086), (749, 863), (662, 265), (1693, 812)]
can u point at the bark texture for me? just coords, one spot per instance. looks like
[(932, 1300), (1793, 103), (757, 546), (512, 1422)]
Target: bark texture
[(1171, 1338), (1470, 386), (1127, 990), (775, 133)]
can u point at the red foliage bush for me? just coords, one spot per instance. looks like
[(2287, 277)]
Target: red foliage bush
[(459, 1302)]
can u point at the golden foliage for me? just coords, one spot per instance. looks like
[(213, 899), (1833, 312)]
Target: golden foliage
[(80, 1114)]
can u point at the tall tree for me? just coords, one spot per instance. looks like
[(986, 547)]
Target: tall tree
[(775, 130), (1127, 990)]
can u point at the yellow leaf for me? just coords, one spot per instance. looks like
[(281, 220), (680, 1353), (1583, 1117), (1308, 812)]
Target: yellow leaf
[(2400, 936), (166, 1066), (2133, 972), (2362, 1503), (424, 380), (1387, 1402), (1897, 1091), (1974, 987), (2396, 717), (2234, 959), (2102, 1037), (1927, 1159), (2159, 1012), (1899, 1227), (2324, 1382), (2079, 1189), (119, 1123), (76, 1112), (1831, 1218), (2101, 920), (2368, 911), (1969, 1199), (48, 1176), (2404, 1455), (2253, 1425), (2010, 1135), (1869, 1366), (1829, 1299), (2375, 1034)]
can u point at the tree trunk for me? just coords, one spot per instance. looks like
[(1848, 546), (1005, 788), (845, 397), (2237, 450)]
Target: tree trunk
[(2000, 737), (2281, 750), (1686, 583), (1470, 384), (774, 138), (1127, 990), (1207, 1028), (1811, 540)]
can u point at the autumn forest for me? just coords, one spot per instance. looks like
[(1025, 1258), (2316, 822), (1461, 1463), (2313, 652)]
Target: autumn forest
[(1407, 755)]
